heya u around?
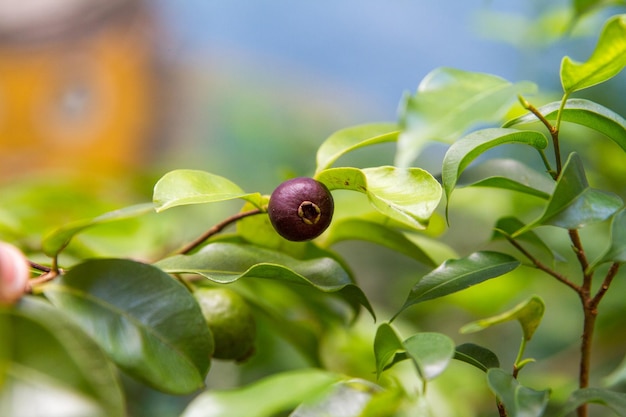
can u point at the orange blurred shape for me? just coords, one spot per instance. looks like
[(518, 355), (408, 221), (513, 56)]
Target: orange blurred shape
[(79, 92)]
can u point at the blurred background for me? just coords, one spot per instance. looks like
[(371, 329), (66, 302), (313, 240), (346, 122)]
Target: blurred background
[(99, 98)]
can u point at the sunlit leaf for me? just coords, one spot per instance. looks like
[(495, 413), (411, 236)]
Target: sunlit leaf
[(265, 398), (345, 399), (57, 240), (519, 401), (431, 352), (48, 363), (145, 320), (615, 401), (352, 138), (448, 102), (616, 250), (606, 61), (186, 186), (582, 112), (458, 274), (574, 204), (528, 313), (478, 356), (465, 150), (386, 345), (228, 262), (408, 196)]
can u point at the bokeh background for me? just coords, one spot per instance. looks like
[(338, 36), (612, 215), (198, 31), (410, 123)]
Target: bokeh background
[(98, 99)]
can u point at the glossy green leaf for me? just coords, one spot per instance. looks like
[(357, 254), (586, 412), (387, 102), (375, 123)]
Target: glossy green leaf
[(265, 398), (374, 232), (465, 150), (407, 196), (144, 319), (387, 345), (458, 274), (478, 356), (606, 61), (615, 401), (574, 204), (508, 174), (57, 240), (48, 363), (228, 262), (519, 401), (186, 186), (431, 352), (352, 138), (616, 250), (528, 313), (448, 102), (582, 112)]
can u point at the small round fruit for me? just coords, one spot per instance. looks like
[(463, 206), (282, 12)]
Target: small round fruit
[(231, 321), (300, 209), (14, 274)]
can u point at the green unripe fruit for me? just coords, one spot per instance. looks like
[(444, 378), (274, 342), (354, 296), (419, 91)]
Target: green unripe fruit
[(300, 209), (231, 321)]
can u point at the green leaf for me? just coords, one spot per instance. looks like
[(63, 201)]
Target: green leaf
[(478, 356), (386, 345), (346, 399), (465, 150), (145, 320), (616, 250), (458, 274), (615, 401), (528, 313), (228, 262), (49, 363), (582, 112), (508, 174), (408, 196), (431, 352), (352, 138), (374, 232), (518, 400), (264, 398), (574, 204), (606, 61), (57, 240), (448, 102), (186, 186)]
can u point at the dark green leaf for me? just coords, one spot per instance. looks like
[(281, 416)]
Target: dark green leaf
[(145, 320), (431, 352), (264, 398), (228, 262), (518, 400), (352, 138), (616, 401), (585, 113), (448, 102), (616, 250), (386, 345), (478, 356), (458, 274), (48, 363), (606, 61)]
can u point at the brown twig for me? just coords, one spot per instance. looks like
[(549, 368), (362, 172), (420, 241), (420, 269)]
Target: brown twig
[(554, 133)]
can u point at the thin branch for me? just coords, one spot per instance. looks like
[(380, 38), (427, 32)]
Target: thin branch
[(554, 133), (39, 267), (582, 259), (612, 272)]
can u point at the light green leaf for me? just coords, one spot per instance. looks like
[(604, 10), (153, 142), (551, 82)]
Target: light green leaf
[(228, 262), (352, 138), (57, 240), (48, 363), (606, 61), (387, 345), (478, 356), (518, 400), (431, 352), (145, 320), (574, 204), (186, 186), (458, 274), (528, 313), (264, 398), (448, 102), (582, 112), (465, 150), (346, 399), (615, 401), (616, 250), (408, 196)]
